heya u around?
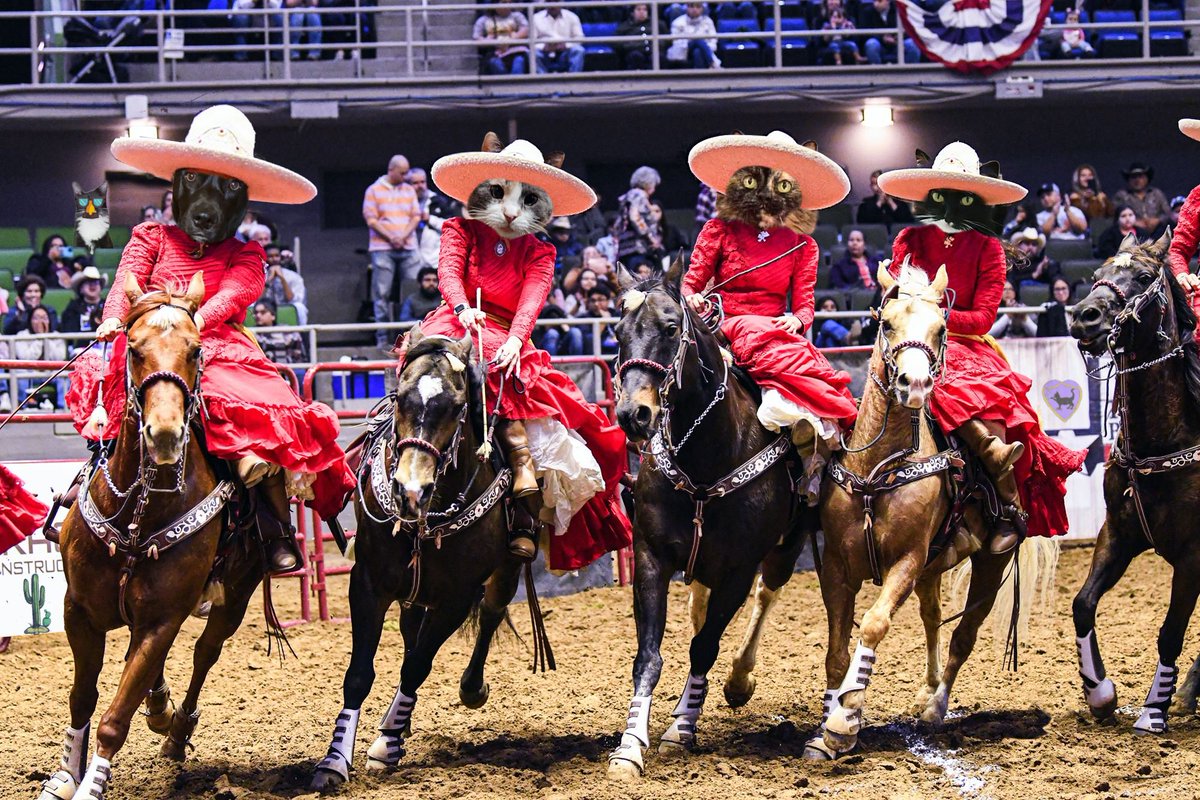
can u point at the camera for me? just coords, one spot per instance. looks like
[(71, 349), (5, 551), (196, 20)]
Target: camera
[(66, 251)]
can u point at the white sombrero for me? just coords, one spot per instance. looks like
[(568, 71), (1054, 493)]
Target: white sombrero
[(1190, 128), (457, 175), (956, 167), (221, 141), (821, 181)]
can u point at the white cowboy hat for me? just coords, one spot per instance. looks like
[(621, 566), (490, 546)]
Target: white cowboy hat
[(457, 175), (956, 167), (821, 181), (220, 141), (88, 274), (1029, 235), (1190, 128)]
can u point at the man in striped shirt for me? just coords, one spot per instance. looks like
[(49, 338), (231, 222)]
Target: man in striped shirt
[(392, 213)]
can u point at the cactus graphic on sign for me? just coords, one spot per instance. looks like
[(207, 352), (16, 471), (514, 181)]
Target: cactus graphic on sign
[(35, 595)]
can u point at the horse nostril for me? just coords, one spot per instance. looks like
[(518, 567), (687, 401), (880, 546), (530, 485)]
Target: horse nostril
[(1089, 315), (902, 381), (643, 415)]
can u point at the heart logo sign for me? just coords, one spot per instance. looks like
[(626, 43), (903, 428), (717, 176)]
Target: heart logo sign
[(1062, 397)]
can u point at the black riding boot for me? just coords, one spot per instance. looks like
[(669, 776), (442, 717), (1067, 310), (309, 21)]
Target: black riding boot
[(523, 533), (275, 527)]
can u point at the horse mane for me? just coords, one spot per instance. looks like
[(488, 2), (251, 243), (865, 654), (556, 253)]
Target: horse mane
[(160, 303), (440, 345)]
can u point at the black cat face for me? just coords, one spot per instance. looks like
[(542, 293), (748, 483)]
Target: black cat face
[(208, 208), (961, 210)]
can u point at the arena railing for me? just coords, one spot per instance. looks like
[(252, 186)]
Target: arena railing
[(418, 51)]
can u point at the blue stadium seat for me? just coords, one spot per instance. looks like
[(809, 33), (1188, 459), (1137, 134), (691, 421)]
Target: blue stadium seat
[(738, 10), (796, 50), (672, 11), (1060, 17), (1167, 41), (600, 57), (739, 52), (1117, 42)]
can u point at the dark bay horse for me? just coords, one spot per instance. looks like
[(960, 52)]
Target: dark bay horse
[(888, 494), (712, 470), (1139, 314), (433, 534), (139, 545)]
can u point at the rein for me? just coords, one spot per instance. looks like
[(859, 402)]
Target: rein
[(32, 394)]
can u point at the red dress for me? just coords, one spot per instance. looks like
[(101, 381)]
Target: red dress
[(249, 408), (20, 512), (776, 359), (516, 276), (1185, 241), (977, 382)]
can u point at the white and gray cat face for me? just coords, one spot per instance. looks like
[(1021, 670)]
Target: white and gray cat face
[(91, 217), (510, 208)]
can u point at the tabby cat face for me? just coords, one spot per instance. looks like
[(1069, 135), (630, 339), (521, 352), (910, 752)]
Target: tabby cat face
[(953, 210), (510, 208), (761, 197)]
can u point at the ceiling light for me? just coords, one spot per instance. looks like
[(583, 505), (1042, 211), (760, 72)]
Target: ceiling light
[(877, 116)]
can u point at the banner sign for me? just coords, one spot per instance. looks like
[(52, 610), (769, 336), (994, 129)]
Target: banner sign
[(974, 35)]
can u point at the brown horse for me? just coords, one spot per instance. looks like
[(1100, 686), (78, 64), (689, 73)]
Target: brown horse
[(889, 494), (139, 546), (1139, 314)]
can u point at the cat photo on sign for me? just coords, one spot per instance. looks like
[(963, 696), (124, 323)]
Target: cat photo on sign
[(91, 217)]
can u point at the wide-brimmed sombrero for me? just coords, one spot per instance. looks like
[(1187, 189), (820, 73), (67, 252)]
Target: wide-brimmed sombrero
[(220, 141), (956, 167), (458, 174), (821, 181)]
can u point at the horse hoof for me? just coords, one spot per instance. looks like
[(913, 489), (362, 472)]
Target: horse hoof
[(173, 750), (668, 748), (620, 769), (1102, 701), (326, 781), (815, 749), (474, 699), (160, 723), (839, 743), (934, 713), (738, 696), (1182, 706), (61, 786)]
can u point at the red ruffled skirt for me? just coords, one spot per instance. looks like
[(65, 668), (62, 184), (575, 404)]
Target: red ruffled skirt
[(20, 512), (601, 525), (978, 383), (791, 365), (249, 409)]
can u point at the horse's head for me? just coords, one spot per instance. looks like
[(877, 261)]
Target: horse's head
[(652, 315), (1127, 285), (163, 364), (433, 394), (912, 332)]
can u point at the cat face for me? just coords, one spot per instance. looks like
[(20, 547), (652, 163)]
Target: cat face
[(93, 204), (510, 208), (761, 197), (954, 210)]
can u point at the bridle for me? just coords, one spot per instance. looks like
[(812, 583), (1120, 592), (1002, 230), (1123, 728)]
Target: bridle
[(1154, 294)]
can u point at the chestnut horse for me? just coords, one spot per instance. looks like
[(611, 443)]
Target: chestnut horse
[(887, 498), (1138, 313), (714, 499), (139, 545)]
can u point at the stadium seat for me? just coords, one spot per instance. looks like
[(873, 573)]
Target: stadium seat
[(822, 276), (838, 216), (1080, 270), (740, 10), (1060, 17), (1098, 226), (107, 257), (833, 255), (58, 299), (1117, 42), (874, 234), (284, 315), (600, 57), (837, 297), (1033, 294), (861, 299), (41, 234), (119, 235), (14, 239), (111, 272), (739, 52), (1081, 291), (899, 226), (672, 11), (1067, 249), (826, 237), (1167, 41), (7, 281), (796, 49), (14, 260)]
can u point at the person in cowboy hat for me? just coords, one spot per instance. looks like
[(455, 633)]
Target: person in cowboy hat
[(252, 417), (1186, 238), (768, 186), (83, 313), (1148, 202), (1041, 268), (979, 396), (510, 194)]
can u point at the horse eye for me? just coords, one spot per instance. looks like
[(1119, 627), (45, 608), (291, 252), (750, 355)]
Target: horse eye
[(783, 187), (671, 329), (531, 199), (497, 192), (749, 182), (1144, 278), (195, 354), (938, 197), (968, 200)]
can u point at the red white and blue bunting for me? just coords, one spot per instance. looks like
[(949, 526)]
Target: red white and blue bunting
[(974, 35)]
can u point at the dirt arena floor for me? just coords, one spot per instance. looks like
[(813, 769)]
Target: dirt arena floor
[(547, 736)]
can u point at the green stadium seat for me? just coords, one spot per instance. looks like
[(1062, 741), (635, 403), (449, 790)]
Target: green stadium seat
[(107, 258), (41, 234), (285, 315), (1034, 294), (14, 239), (111, 273), (119, 235), (58, 299), (14, 260), (7, 279)]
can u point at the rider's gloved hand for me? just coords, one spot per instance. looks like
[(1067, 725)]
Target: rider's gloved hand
[(108, 329)]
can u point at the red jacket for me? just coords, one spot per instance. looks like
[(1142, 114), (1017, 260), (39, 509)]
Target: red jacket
[(726, 248), (1187, 234), (975, 266)]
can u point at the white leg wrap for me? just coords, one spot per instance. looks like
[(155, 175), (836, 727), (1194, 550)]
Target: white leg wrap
[(637, 733), (75, 750), (1098, 690), (691, 703), (843, 721), (387, 750), (341, 750), (399, 713), (95, 780), (61, 786), (1154, 712), (829, 704)]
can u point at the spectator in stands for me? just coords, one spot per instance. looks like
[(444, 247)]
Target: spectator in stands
[(53, 265), (575, 303), (166, 209), (436, 208), (599, 305), (832, 333), (1012, 325), (277, 346), (881, 208), (425, 299), (566, 246), (670, 236), (1148, 202), (1058, 219), (1172, 219), (246, 22), (283, 285), (642, 269), (30, 291), (841, 48), (558, 340), (1086, 194), (1074, 43), (699, 52), (857, 268), (40, 319), (1041, 268), (636, 55), (150, 214), (304, 23), (706, 208), (1124, 223), (632, 229), (391, 211), (84, 310), (1053, 319), (590, 226), (552, 27), (508, 30), (1024, 215), (259, 233), (881, 49)]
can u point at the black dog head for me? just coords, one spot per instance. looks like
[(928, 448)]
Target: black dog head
[(208, 208)]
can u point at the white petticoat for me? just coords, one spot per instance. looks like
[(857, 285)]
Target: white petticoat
[(570, 474), (776, 412)]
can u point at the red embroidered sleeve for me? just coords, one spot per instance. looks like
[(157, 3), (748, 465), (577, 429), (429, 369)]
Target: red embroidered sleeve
[(989, 286), (804, 280), (241, 284), (900, 249), (535, 288), (452, 262), (138, 259), (706, 257), (1187, 234)]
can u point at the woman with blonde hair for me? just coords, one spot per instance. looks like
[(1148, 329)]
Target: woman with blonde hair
[(1087, 195)]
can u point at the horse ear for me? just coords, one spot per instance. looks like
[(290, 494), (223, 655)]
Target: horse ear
[(195, 291), (626, 280), (884, 276), (1129, 242), (133, 289), (465, 346), (940, 281), (491, 143), (673, 277), (556, 158), (990, 169), (923, 159), (1160, 247), (414, 335)]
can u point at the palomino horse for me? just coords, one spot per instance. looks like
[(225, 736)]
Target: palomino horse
[(890, 493), (1139, 314), (140, 543), (714, 499), (433, 534)]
